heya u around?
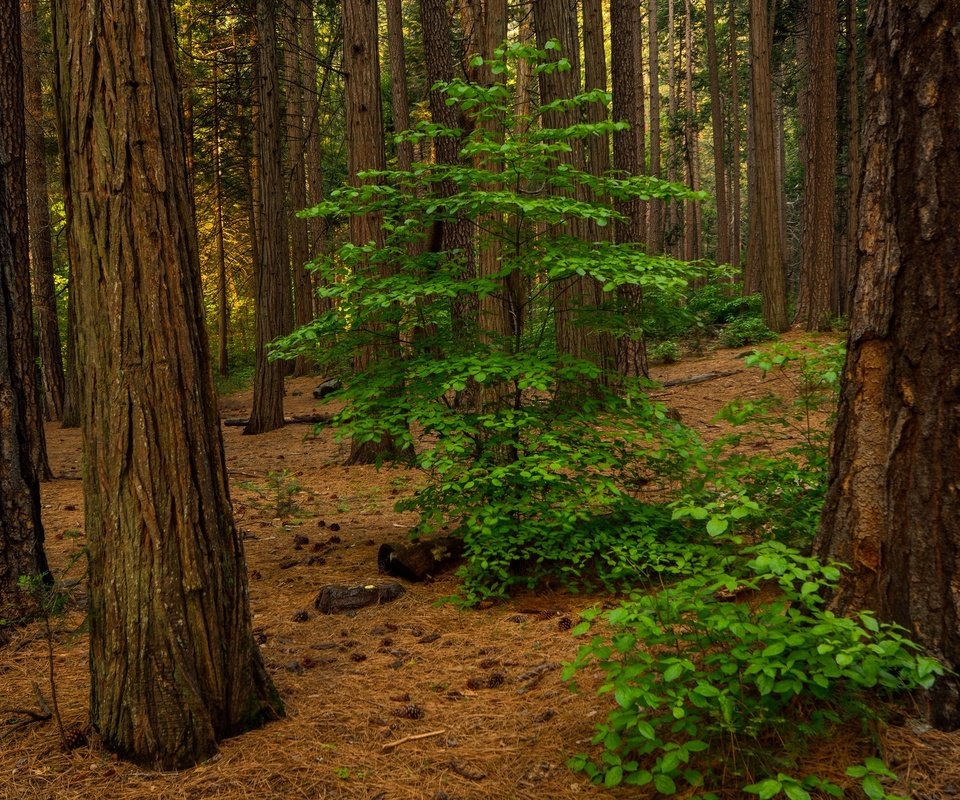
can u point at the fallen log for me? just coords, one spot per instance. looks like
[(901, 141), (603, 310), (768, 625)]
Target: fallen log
[(421, 559), (702, 378), (296, 419), (336, 598)]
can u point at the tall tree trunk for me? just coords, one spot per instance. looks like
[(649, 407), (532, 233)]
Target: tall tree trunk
[(273, 300), (400, 101), (691, 145), (365, 148), (626, 43), (557, 19), (296, 178), (20, 319), (71, 396), (770, 246), (820, 176), (892, 510), (673, 155), (454, 235), (174, 667), (719, 156), (655, 207), (734, 121), (21, 532), (223, 307), (848, 268), (41, 248)]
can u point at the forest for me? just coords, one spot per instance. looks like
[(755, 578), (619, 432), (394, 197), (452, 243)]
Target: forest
[(477, 400)]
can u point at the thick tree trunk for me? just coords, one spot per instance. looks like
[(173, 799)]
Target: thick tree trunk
[(893, 505), (769, 256), (174, 668), (41, 248), (820, 176), (273, 300), (21, 533)]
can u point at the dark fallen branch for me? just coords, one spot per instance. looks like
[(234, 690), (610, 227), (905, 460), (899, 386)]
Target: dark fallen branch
[(32, 717), (335, 599), (702, 378), (296, 419)]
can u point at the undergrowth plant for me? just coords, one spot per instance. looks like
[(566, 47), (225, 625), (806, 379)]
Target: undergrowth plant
[(731, 671), (523, 446)]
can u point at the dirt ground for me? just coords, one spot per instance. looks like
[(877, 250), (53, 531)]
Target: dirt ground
[(481, 688)]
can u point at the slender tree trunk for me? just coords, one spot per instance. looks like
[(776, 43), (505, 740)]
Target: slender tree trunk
[(311, 116), (719, 159), (848, 268), (892, 510), (820, 176), (174, 667), (691, 143), (628, 157), (734, 117), (20, 319), (398, 81), (21, 532), (246, 145), (71, 396), (273, 300), (654, 206), (365, 148), (673, 160), (770, 246), (41, 248), (296, 178), (223, 308)]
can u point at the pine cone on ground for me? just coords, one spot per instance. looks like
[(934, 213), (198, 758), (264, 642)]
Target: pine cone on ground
[(73, 737)]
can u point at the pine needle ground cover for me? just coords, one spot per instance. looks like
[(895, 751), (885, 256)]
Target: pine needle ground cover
[(483, 687)]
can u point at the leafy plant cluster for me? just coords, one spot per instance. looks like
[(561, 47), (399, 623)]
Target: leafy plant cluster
[(737, 666)]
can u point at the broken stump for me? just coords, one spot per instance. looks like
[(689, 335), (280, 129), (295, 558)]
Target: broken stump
[(420, 560)]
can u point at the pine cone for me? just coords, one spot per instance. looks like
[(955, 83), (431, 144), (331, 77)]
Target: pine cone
[(73, 737), (564, 624)]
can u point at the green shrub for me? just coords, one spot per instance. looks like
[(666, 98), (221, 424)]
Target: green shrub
[(745, 330), (665, 352), (737, 666)]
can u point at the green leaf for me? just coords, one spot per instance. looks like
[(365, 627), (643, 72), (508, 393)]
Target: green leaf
[(614, 777), (665, 784), (764, 789), (717, 525), (872, 788), (673, 672), (795, 791)]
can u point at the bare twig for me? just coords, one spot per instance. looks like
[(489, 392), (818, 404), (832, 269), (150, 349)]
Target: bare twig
[(390, 745)]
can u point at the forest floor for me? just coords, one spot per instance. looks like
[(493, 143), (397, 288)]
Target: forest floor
[(482, 686)]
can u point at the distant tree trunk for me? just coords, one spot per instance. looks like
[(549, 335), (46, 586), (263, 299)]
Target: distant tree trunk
[(71, 396), (14, 176), (734, 121), (246, 145), (691, 146), (365, 149), (626, 43), (311, 116), (174, 667), (654, 207), (847, 270), (400, 101), (223, 308), (41, 249), (296, 178), (719, 157), (453, 235), (21, 532), (820, 175), (557, 19), (273, 300), (769, 231), (753, 269), (892, 510), (673, 160)]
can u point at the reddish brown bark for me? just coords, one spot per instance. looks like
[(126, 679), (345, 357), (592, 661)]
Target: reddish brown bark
[(893, 505)]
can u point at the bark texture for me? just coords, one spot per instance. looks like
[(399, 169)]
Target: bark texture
[(174, 668), (893, 504), (719, 159), (21, 533)]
